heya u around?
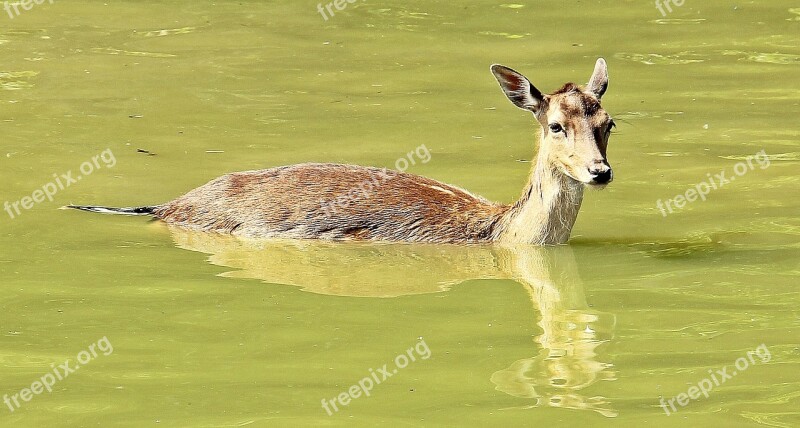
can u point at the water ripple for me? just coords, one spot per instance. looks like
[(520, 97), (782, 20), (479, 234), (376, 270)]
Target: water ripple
[(654, 59), (677, 21), (765, 57), (16, 80), (168, 32), (112, 51)]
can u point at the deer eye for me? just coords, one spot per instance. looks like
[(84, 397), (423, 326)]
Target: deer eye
[(556, 128)]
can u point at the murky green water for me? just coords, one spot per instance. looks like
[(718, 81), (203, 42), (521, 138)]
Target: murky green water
[(185, 330)]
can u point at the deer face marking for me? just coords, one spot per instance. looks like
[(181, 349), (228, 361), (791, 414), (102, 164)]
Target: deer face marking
[(577, 134), (575, 127)]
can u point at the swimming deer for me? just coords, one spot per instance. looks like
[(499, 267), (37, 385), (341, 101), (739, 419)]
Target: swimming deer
[(294, 201)]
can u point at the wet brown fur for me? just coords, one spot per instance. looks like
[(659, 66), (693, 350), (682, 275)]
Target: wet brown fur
[(303, 201)]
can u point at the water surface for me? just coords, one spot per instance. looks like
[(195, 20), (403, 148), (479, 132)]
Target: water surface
[(210, 331)]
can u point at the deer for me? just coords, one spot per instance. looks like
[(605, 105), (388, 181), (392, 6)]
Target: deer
[(293, 202)]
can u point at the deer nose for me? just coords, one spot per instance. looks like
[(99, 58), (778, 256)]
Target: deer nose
[(601, 174)]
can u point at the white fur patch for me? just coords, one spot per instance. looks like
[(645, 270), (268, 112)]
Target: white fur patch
[(441, 189)]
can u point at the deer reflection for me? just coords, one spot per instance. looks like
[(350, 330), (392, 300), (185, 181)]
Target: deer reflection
[(571, 333), (567, 363)]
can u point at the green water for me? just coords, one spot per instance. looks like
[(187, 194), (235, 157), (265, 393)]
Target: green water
[(208, 331)]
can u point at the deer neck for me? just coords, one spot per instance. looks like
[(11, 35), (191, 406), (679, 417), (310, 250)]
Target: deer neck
[(547, 209)]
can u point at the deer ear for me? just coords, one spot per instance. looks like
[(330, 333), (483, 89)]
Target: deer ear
[(518, 89), (598, 83)]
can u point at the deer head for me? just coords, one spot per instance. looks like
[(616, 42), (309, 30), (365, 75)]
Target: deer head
[(575, 128)]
